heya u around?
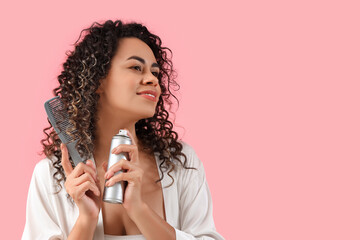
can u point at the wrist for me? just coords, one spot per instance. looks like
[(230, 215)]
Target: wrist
[(84, 228), (138, 212), (87, 222)]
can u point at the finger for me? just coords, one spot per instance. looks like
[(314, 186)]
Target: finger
[(81, 190), (91, 164), (123, 148), (131, 177), (84, 178), (134, 156), (131, 149), (82, 168), (120, 165), (130, 136), (118, 177), (65, 162)]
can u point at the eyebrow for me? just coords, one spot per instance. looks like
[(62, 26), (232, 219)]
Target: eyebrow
[(143, 61)]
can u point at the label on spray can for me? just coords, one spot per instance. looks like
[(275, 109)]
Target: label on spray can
[(115, 193)]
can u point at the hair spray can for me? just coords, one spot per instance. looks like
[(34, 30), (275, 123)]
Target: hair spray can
[(115, 193)]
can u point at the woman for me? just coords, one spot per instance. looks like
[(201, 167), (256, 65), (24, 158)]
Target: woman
[(119, 77)]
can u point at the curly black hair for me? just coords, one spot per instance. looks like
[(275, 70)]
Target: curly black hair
[(82, 71)]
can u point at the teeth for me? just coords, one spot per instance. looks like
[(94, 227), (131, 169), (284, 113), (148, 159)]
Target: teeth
[(149, 94)]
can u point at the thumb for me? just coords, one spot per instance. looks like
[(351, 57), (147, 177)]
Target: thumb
[(65, 162)]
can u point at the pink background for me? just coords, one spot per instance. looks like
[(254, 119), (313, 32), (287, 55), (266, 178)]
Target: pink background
[(269, 100)]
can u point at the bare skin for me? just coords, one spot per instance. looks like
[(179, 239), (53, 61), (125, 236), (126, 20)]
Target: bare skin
[(120, 107), (114, 215)]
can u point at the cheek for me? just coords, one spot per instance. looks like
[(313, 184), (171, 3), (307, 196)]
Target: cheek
[(118, 91), (124, 84)]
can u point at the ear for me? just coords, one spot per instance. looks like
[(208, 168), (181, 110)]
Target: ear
[(99, 90), (101, 87)]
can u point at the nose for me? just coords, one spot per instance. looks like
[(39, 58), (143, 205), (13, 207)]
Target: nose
[(150, 79)]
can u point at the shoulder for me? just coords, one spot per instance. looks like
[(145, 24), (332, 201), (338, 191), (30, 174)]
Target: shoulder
[(187, 148), (43, 167), (43, 173), (191, 179), (43, 164), (192, 159)]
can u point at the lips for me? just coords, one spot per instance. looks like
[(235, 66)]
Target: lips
[(148, 94)]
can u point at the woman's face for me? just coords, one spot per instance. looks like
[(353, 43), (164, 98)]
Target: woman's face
[(133, 70)]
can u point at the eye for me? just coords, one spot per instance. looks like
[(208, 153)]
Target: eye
[(137, 67), (156, 74)]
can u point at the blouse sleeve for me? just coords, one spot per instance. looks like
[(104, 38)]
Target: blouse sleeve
[(196, 208), (40, 218)]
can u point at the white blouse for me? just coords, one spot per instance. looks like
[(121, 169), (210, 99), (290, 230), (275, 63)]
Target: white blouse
[(188, 204), (126, 237)]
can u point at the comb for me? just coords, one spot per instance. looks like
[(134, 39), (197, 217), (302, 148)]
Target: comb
[(59, 119)]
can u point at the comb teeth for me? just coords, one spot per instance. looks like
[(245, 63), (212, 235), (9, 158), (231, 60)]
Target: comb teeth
[(59, 119)]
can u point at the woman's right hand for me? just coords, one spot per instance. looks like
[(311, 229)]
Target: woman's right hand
[(83, 186)]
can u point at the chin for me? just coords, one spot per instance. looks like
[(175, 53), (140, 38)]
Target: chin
[(146, 114)]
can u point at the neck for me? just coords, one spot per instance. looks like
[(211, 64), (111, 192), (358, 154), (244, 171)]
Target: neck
[(107, 126)]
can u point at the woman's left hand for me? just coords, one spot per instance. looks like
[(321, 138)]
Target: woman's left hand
[(132, 199)]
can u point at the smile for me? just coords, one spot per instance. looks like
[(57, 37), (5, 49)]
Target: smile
[(148, 96)]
